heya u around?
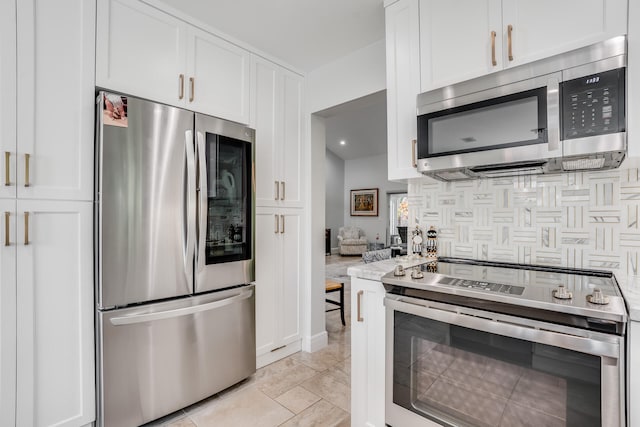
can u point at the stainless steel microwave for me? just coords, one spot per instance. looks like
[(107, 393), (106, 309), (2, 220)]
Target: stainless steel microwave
[(564, 113)]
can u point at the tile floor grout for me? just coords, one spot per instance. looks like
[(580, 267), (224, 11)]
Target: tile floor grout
[(255, 401)]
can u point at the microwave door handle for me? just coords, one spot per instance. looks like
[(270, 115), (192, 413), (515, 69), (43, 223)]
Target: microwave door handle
[(190, 241), (414, 161), (202, 200), (553, 115)]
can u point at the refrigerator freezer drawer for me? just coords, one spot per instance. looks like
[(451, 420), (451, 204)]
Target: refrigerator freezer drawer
[(158, 358)]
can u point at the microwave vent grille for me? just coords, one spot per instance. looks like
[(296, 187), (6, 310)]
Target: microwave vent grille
[(455, 175), (583, 164)]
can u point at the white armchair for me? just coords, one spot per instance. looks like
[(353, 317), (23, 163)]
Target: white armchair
[(352, 241)]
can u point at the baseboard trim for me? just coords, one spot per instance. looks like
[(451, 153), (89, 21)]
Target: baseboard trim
[(281, 353), (315, 343)]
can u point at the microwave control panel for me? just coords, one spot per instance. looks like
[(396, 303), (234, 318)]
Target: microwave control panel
[(593, 105)]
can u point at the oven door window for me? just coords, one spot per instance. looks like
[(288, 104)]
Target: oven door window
[(228, 235), (507, 121), (459, 376)]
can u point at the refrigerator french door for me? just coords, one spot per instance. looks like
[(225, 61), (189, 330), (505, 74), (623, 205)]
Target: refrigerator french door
[(174, 209), (225, 205)]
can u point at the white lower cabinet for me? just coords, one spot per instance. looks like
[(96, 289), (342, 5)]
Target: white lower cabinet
[(7, 313), (367, 353), (278, 278), (633, 373), (49, 277)]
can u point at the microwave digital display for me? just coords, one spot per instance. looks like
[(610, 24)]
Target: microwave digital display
[(593, 105)]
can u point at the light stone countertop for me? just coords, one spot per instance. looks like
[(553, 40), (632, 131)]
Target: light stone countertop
[(630, 287), (375, 270)]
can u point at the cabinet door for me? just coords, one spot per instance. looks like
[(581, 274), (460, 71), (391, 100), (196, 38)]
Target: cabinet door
[(8, 96), (367, 353), (56, 41), (268, 284), (55, 306), (545, 28), (457, 46), (141, 51), (267, 103), (292, 135), (7, 312), (218, 77), (291, 261), (403, 85)]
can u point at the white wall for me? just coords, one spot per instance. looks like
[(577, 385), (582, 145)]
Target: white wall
[(369, 172), (354, 76), (314, 334), (351, 77), (334, 195)]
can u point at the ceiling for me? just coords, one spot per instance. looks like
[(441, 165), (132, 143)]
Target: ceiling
[(361, 123), (306, 34)]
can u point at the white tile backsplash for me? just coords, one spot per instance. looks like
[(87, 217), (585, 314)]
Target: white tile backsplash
[(581, 220)]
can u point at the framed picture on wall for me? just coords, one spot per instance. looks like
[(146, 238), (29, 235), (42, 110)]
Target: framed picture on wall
[(364, 202)]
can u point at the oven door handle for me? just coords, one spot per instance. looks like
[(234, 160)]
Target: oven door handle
[(509, 326)]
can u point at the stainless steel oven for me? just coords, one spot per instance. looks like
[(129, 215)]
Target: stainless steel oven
[(460, 352)]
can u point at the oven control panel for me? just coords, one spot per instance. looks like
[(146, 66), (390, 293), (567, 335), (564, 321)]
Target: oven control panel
[(482, 286), (593, 105)]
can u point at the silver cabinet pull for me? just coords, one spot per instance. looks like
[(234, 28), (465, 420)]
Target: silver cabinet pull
[(493, 49), (282, 221), (27, 157), (510, 40), (192, 85), (359, 303), (277, 190), (7, 240), (282, 195), (7, 168), (181, 93), (414, 162), (277, 226), (26, 228)]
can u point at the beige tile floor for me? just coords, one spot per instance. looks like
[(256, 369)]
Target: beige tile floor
[(304, 389)]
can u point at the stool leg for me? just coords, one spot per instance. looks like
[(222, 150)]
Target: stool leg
[(342, 305)]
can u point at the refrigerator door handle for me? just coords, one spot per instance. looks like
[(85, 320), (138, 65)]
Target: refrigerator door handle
[(190, 243), (202, 208), (169, 314)]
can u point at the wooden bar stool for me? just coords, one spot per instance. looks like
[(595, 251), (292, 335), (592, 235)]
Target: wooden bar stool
[(335, 286)]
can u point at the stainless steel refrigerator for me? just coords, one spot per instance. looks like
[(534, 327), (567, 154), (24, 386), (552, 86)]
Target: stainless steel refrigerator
[(174, 210)]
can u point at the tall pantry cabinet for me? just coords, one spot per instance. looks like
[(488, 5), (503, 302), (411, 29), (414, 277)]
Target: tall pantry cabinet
[(277, 118), (46, 210)]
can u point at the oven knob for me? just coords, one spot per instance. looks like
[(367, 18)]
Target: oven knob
[(598, 297), (562, 293)]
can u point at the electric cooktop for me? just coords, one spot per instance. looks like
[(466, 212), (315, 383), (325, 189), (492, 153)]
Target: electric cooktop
[(588, 297)]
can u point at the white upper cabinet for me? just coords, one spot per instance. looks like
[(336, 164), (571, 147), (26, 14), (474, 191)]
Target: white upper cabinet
[(8, 97), (145, 52), (403, 85), (457, 46), (278, 122), (218, 77), (53, 156), (141, 51), (545, 28), (495, 34)]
